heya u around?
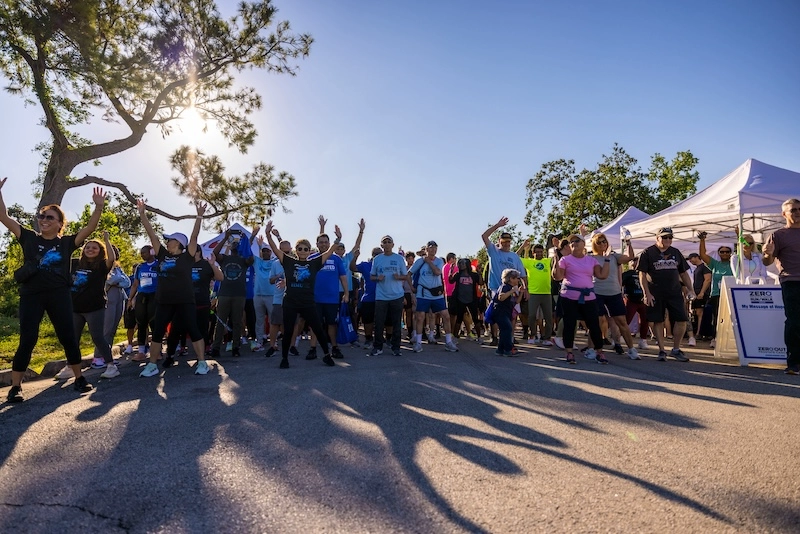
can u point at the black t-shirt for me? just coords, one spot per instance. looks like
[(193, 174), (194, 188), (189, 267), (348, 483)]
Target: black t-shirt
[(664, 269), (52, 257), (466, 288), (174, 277), (505, 307), (699, 278), (300, 277), (234, 269), (89, 287), (631, 287), (202, 275)]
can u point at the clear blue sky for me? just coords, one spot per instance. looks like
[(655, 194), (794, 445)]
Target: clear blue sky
[(427, 118)]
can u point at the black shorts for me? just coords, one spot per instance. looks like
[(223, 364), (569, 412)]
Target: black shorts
[(129, 318), (327, 313), (408, 303), (367, 312), (610, 305), (674, 304)]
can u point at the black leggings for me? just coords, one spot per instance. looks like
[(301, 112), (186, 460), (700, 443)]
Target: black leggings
[(177, 334), (250, 318), (58, 305), (586, 311), (309, 313), (183, 318), (145, 311)]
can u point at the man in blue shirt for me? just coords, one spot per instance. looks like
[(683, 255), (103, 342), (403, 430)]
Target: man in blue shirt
[(388, 271)]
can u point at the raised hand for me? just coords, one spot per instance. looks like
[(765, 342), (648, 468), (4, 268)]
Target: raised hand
[(201, 208), (502, 222), (140, 206), (361, 225), (98, 197), (106, 235), (769, 248), (337, 232)]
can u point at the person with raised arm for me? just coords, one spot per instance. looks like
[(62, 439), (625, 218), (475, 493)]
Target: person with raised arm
[(298, 301), (44, 285), (175, 293)]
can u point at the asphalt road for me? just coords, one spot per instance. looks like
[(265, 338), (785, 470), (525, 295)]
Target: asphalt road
[(428, 442)]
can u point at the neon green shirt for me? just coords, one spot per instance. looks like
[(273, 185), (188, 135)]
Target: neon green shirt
[(538, 275)]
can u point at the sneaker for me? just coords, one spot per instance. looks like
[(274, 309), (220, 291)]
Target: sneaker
[(229, 346), (202, 368), (692, 342), (293, 351), (533, 341), (140, 357), (65, 372), (255, 346), (618, 348), (235, 352), (81, 385), (643, 344), (215, 354), (512, 352), (606, 342), (601, 358), (499, 352), (375, 351), (244, 340), (662, 356), (129, 349), (270, 352), (184, 350), (417, 347), (312, 354), (450, 347), (633, 354), (355, 345), (327, 360), (590, 354), (169, 361), (150, 369), (713, 343), (791, 370), (571, 358), (559, 342), (431, 339), (284, 363), (396, 353), (15, 394), (678, 355), (546, 343), (110, 372), (336, 353)]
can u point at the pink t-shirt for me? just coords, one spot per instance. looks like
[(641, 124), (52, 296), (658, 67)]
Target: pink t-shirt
[(578, 274), (448, 269)]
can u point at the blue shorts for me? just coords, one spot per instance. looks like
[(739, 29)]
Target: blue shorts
[(431, 305), (610, 305)]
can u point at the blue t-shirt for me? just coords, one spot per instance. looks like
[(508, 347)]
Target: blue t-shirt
[(147, 275), (263, 268), (388, 266), (500, 261), (326, 286), (428, 280), (277, 270), (346, 259), (368, 295)]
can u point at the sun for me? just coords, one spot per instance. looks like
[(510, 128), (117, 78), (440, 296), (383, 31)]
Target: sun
[(192, 126)]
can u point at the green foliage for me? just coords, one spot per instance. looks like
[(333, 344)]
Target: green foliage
[(559, 198)]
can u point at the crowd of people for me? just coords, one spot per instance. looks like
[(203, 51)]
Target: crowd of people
[(176, 297)]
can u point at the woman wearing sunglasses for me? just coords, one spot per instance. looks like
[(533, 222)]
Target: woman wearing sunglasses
[(720, 268), (44, 285), (298, 301), (748, 263)]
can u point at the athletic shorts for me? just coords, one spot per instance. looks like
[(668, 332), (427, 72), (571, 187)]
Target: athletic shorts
[(367, 312), (129, 318), (451, 304), (674, 304), (327, 313), (276, 317), (610, 305), (408, 303), (431, 305)]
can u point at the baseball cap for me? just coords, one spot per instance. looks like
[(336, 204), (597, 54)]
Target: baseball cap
[(505, 235), (387, 238), (664, 231), (431, 244), (179, 237), (692, 255)]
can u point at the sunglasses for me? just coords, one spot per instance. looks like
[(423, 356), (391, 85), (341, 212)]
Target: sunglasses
[(666, 237), (574, 241), (749, 243), (793, 210), (303, 249), (43, 217), (386, 242), (725, 252), (602, 242)]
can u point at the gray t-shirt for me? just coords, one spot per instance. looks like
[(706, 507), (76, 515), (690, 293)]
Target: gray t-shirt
[(610, 285)]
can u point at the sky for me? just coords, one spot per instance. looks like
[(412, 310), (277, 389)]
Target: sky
[(427, 118)]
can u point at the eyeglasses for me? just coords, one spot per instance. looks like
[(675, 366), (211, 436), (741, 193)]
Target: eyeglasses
[(602, 242), (666, 237), (43, 217), (574, 241), (303, 249)]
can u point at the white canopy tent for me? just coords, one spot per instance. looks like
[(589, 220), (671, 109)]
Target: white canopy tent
[(750, 196), (208, 246), (616, 228)]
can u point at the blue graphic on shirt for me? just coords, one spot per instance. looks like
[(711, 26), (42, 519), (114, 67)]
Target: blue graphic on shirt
[(301, 273), (51, 258), (167, 264), (79, 280), (232, 271)]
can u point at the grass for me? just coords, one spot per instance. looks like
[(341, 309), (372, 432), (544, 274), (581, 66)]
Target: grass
[(47, 348)]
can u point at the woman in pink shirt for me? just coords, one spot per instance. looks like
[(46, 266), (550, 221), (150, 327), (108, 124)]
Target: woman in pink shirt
[(578, 298)]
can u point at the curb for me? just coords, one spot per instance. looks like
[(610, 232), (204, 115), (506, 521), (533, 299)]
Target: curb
[(52, 368)]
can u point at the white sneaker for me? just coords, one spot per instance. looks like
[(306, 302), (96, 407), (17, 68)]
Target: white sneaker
[(202, 368), (713, 343), (98, 363), (643, 344), (431, 339), (559, 342), (450, 347), (417, 347), (110, 372), (150, 369), (66, 372), (590, 354), (692, 342), (255, 346), (129, 349), (532, 341), (633, 354), (547, 343)]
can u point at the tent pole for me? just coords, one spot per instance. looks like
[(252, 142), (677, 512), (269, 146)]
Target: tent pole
[(739, 249)]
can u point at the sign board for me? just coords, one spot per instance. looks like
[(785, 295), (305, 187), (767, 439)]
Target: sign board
[(750, 323)]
